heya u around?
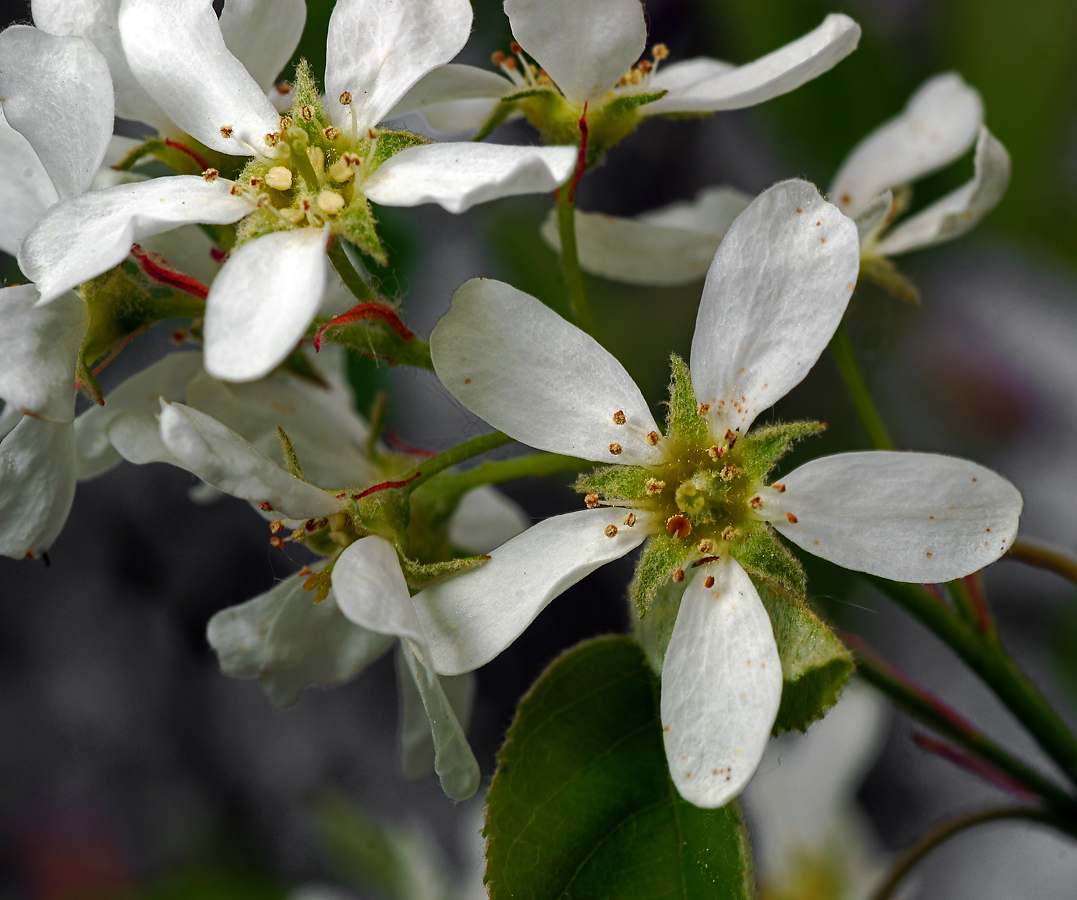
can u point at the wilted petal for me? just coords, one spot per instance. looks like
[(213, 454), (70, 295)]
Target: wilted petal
[(261, 303), (939, 123), (416, 739), (377, 51), (584, 45), (770, 76), (58, 94), (959, 211), (80, 238), (167, 378), (721, 686), (177, 51), (26, 191), (471, 618), (39, 348), (371, 591), (457, 176), (37, 485), (484, 519), (263, 35), (774, 295), (287, 641), (531, 374), (914, 517)]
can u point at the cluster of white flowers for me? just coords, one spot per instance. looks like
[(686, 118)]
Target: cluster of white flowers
[(284, 180)]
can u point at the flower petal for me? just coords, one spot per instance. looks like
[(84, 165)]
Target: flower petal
[(485, 519), (957, 212), (416, 739), (80, 238), (584, 45), (769, 76), (167, 378), (871, 219), (713, 210), (371, 591), (377, 51), (25, 193), (37, 485), (57, 93), (261, 303), (221, 458), (775, 293), (531, 374), (457, 176), (471, 618), (176, 50), (916, 517), (453, 82), (288, 642), (263, 35), (679, 76), (938, 124), (721, 686), (39, 347)]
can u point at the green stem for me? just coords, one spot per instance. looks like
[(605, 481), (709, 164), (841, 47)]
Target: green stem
[(1033, 553), (458, 454), (991, 663), (531, 466), (570, 259), (918, 704), (857, 389), (351, 278), (947, 830)]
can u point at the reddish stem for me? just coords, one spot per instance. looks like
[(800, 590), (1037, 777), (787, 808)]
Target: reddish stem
[(386, 486), (157, 269), (365, 311), (183, 148), (971, 764), (394, 441)]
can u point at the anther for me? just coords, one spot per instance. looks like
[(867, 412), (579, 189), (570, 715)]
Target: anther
[(304, 572), (276, 543), (729, 472), (272, 139), (654, 486), (611, 531), (497, 58), (286, 122), (515, 48), (257, 183), (653, 437), (706, 547), (299, 535), (756, 503), (346, 99), (293, 215), (619, 417), (341, 171), (211, 175), (792, 519), (660, 52), (279, 178), (704, 408), (731, 437), (509, 63), (716, 453), (332, 133), (284, 89), (265, 507), (678, 576), (275, 526), (226, 131), (678, 526), (646, 66), (330, 202), (306, 113), (630, 519), (263, 202), (730, 534), (780, 488), (616, 449), (709, 583), (236, 190), (591, 501)]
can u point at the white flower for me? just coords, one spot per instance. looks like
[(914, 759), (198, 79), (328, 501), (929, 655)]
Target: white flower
[(587, 46), (776, 291), (673, 245)]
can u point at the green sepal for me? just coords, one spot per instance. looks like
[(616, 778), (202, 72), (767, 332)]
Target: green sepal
[(156, 148), (766, 559), (628, 103), (305, 93), (545, 93), (662, 555), (421, 575), (654, 630), (815, 664), (357, 224), (391, 143), (582, 805), (617, 482), (762, 448), (299, 365), (258, 224), (500, 114), (379, 340), (88, 382), (291, 458), (684, 424), (881, 272)]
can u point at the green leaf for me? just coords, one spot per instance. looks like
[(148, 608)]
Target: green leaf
[(684, 424), (815, 664), (582, 806)]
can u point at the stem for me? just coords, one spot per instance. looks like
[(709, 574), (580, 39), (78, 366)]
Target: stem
[(995, 669), (971, 604), (458, 454), (1043, 556), (530, 466), (857, 389), (947, 830), (351, 278), (921, 705), (570, 259)]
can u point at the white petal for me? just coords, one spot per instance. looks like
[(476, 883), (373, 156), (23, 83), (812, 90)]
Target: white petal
[(721, 686), (177, 51), (221, 458), (371, 591), (96, 20), (80, 238), (453, 82), (471, 618), (957, 212), (378, 50), (687, 73), (39, 348), (457, 176), (327, 435), (416, 739), (531, 374), (166, 378), (456, 116), (37, 485), (289, 642), (136, 436), (775, 293), (584, 45), (713, 210), (262, 301), (26, 191), (636, 252), (263, 35), (871, 219), (57, 92), (769, 76), (904, 516), (484, 519), (938, 124)]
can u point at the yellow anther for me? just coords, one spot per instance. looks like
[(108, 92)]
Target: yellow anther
[(330, 202), (340, 171), (293, 215), (660, 52), (279, 178)]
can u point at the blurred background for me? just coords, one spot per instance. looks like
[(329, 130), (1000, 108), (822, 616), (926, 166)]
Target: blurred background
[(130, 767)]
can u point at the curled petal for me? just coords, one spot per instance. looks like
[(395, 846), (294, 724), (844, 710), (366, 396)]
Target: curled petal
[(418, 752), (263, 35), (531, 374), (484, 519), (26, 193)]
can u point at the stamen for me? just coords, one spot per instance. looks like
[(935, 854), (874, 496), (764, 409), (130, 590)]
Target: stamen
[(654, 486), (678, 576), (630, 520), (619, 417), (332, 134), (330, 202), (709, 583), (341, 171), (591, 501), (279, 178), (616, 449), (211, 175), (611, 531), (679, 526), (284, 89)]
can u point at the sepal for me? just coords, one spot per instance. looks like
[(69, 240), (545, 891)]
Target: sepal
[(764, 447), (662, 557), (766, 559), (685, 423), (881, 272), (421, 575), (617, 482)]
